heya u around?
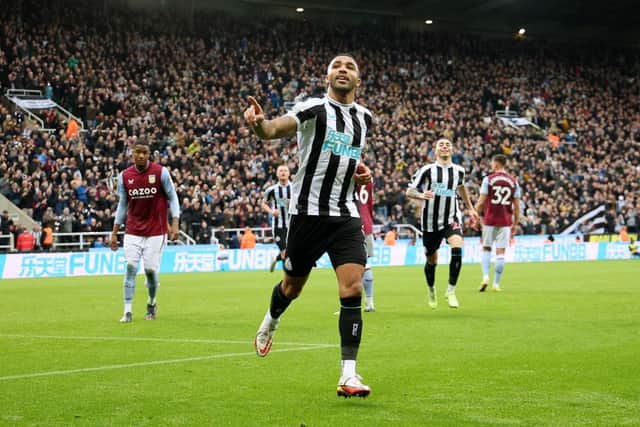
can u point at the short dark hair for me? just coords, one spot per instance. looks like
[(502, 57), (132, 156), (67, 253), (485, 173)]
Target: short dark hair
[(348, 55), (143, 144), (500, 158)]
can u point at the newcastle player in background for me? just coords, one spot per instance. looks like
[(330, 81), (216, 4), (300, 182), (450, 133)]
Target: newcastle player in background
[(276, 202), (438, 184)]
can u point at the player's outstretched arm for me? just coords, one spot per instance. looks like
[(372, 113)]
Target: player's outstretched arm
[(268, 129)]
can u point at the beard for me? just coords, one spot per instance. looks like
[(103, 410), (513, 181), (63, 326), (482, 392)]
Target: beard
[(141, 167), (342, 87)]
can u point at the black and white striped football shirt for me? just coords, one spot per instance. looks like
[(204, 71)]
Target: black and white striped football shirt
[(331, 138), (278, 197), (443, 181)]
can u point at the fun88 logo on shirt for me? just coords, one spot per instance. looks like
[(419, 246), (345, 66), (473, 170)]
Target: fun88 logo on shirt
[(441, 189), (340, 144)]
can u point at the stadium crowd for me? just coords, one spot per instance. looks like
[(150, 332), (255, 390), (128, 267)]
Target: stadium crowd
[(149, 78)]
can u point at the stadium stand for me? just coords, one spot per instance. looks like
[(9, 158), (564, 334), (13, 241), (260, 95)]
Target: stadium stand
[(148, 78)]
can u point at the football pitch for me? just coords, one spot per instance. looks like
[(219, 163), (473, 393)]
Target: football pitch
[(560, 346)]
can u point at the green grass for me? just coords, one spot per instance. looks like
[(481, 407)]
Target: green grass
[(560, 346)]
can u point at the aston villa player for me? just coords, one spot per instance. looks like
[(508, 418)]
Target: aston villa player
[(146, 191)]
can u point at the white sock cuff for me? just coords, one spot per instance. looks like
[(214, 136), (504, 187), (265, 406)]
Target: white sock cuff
[(348, 368)]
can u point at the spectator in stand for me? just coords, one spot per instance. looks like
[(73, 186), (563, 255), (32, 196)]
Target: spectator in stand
[(204, 236), (248, 240), (222, 237), (234, 241), (46, 237), (25, 240), (624, 234), (98, 243), (390, 237)]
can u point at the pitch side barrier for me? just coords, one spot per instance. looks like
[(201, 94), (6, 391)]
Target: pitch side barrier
[(210, 258)]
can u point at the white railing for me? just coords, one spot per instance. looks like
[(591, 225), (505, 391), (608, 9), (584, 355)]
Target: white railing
[(510, 114), (23, 92), (31, 116), (264, 234), (188, 240), (84, 241), (77, 119), (79, 241), (405, 231), (11, 93)]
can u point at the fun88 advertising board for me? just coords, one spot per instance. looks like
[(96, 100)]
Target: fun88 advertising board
[(210, 258)]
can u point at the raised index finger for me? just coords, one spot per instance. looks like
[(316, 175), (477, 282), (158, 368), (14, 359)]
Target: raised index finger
[(256, 107)]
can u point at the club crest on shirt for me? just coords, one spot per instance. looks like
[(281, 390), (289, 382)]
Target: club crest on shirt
[(152, 179)]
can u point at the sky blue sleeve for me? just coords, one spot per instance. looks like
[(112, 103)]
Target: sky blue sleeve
[(518, 192), (121, 211), (484, 188), (170, 191)]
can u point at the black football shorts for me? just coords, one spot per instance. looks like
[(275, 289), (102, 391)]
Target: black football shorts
[(311, 236)]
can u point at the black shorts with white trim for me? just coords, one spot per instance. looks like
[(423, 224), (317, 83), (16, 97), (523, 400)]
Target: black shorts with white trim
[(311, 236), (432, 241)]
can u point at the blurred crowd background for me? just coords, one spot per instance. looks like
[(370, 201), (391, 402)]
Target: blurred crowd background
[(183, 90)]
